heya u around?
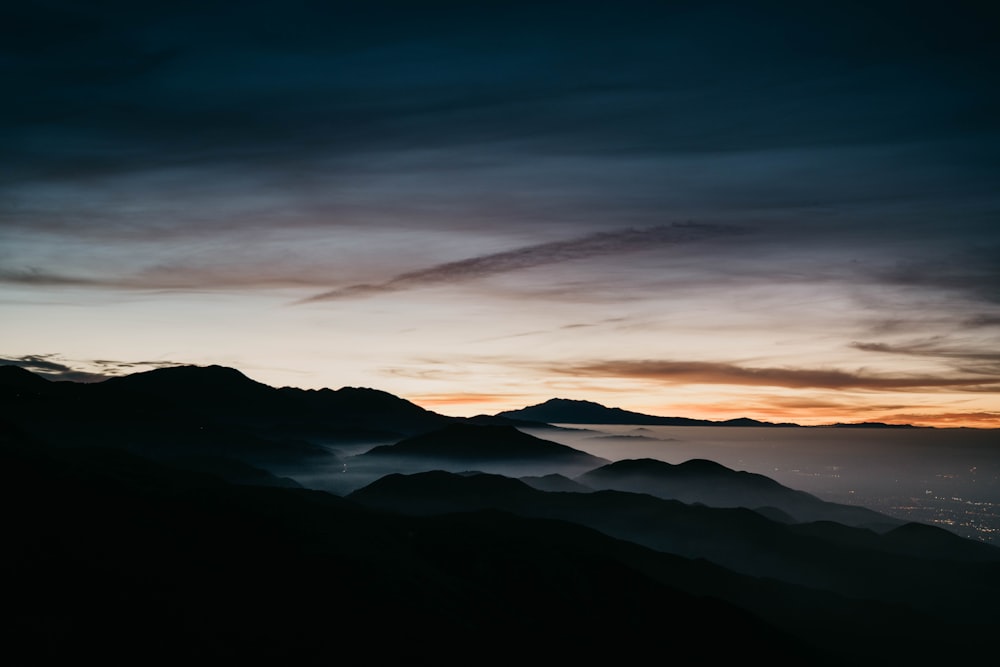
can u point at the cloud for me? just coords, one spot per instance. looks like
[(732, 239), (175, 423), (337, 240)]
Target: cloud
[(39, 278), (44, 365), (51, 367), (975, 272), (984, 362), (702, 372), (584, 247), (179, 276), (929, 348), (983, 321), (984, 419)]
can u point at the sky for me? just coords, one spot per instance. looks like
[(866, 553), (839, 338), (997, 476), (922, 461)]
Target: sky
[(780, 210)]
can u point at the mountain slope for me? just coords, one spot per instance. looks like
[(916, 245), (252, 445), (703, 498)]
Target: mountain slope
[(193, 412), (707, 482), (14, 379), (120, 559), (226, 393), (568, 411), (482, 447), (850, 561)]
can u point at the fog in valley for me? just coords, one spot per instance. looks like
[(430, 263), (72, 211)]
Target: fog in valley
[(946, 477)]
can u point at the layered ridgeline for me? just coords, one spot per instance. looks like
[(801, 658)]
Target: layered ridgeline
[(120, 559), (211, 417), (861, 563), (117, 556), (568, 411), (709, 483), (549, 465), (148, 513), (218, 420)]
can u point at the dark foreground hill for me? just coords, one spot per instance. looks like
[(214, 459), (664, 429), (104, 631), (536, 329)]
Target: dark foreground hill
[(115, 559), (936, 572), (213, 412), (147, 523)]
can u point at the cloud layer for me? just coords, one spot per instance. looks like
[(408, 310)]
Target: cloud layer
[(719, 373), (175, 174), (54, 367), (586, 247)]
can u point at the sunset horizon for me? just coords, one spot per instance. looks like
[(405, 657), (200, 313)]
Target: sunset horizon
[(476, 404), (715, 210)]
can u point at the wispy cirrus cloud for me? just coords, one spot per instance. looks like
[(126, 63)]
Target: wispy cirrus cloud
[(970, 360), (585, 247), (172, 277), (983, 321), (975, 272), (721, 373), (928, 348), (40, 278)]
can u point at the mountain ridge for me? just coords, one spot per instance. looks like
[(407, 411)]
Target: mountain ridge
[(576, 411), (139, 497), (713, 484), (845, 559), (207, 381)]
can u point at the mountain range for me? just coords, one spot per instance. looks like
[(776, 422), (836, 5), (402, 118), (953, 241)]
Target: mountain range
[(568, 411), (194, 511), (820, 555), (348, 414)]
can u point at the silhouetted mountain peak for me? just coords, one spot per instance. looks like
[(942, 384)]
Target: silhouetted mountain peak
[(572, 402), (635, 465), (704, 466), (462, 441), (746, 421), (646, 466), (373, 400), (187, 378), (571, 411), (710, 483), (654, 471)]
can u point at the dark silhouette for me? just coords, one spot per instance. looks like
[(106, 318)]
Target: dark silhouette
[(567, 411), (709, 483), (118, 558), (855, 562), (554, 482), (471, 444), (176, 513)]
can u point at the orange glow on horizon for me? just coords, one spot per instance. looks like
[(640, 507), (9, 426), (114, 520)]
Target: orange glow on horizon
[(461, 402), (815, 413)]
